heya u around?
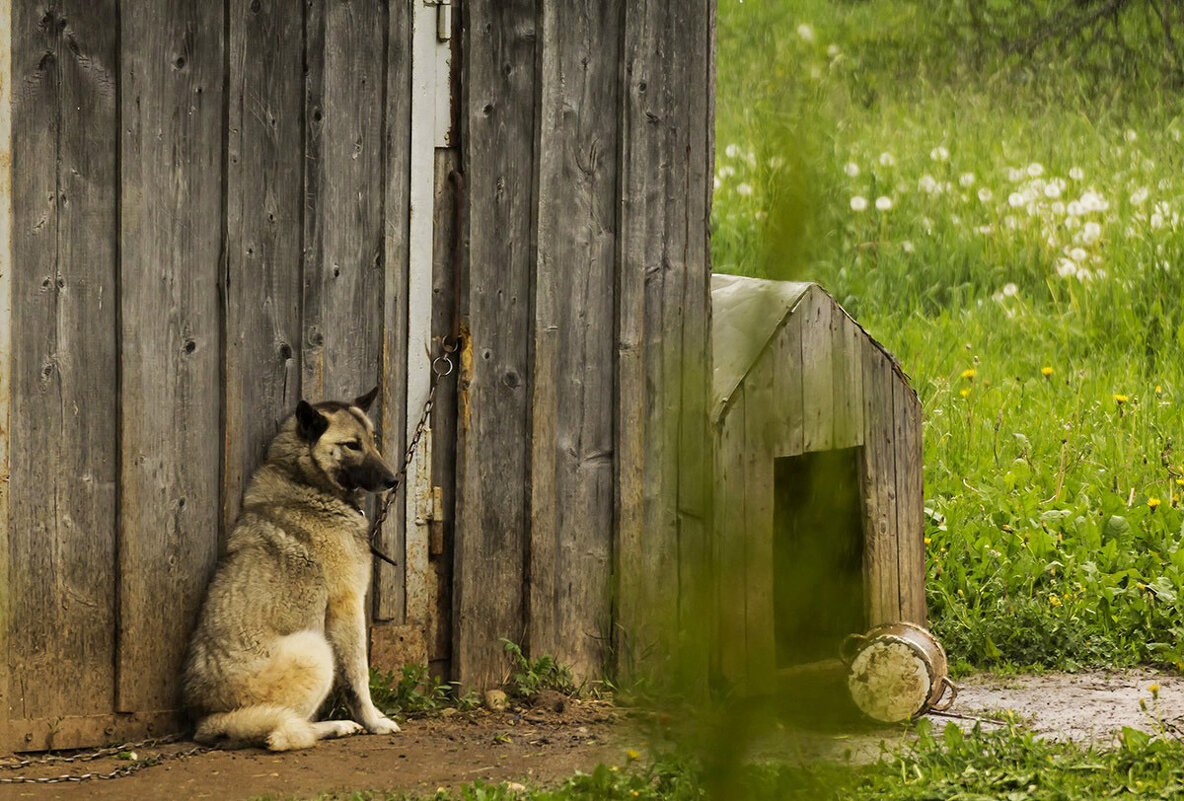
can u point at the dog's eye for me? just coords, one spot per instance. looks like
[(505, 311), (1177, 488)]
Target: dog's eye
[(353, 445)]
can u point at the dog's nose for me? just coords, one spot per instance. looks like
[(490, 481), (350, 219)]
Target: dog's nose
[(390, 482)]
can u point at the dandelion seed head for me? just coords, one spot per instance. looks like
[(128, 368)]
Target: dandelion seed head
[(1035, 169), (966, 180), (1139, 196), (858, 203), (806, 32), (887, 159), (985, 195), (1076, 173), (939, 153), (883, 203), (732, 151), (852, 169), (744, 189)]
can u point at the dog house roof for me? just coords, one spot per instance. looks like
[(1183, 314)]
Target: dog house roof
[(745, 314)]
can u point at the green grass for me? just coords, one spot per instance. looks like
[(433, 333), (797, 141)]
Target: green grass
[(1034, 223), (974, 766)]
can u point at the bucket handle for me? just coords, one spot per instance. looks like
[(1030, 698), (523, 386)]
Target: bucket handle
[(850, 647), (946, 685)]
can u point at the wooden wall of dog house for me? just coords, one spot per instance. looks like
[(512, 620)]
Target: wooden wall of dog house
[(61, 531), (729, 552), (818, 401), (572, 410), (878, 476), (494, 430), (910, 502), (760, 450), (171, 204)]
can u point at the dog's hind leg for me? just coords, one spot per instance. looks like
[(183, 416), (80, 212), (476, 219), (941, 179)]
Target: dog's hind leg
[(279, 698)]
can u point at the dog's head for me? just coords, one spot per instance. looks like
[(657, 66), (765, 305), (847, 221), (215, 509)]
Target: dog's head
[(340, 439)]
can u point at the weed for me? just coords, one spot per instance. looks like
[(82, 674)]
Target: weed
[(545, 673)]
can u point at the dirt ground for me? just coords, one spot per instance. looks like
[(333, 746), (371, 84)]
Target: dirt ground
[(531, 746), (542, 747)]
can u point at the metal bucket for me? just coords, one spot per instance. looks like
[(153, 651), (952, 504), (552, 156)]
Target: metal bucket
[(897, 672)]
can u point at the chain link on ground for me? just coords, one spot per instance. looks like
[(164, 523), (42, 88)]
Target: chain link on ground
[(128, 749)]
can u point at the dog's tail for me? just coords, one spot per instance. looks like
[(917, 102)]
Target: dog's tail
[(276, 727)]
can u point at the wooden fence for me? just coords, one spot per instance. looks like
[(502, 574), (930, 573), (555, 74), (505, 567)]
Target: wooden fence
[(210, 217)]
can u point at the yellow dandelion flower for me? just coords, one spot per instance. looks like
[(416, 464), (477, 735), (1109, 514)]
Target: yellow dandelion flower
[(1046, 372), (1140, 585), (1120, 399), (928, 540), (1180, 481), (1053, 600), (969, 373), (1153, 502), (1154, 688), (1158, 389), (964, 392), (632, 754)]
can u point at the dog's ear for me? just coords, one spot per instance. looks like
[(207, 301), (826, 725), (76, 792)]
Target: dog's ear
[(363, 401), (309, 422)]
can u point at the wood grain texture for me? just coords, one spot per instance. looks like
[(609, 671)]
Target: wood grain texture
[(729, 538), (493, 436), (64, 439), (878, 479), (818, 406), (448, 252), (910, 503), (391, 413), (785, 352), (758, 521), (572, 416), (172, 83), (344, 241), (264, 229), (663, 359), (847, 373), (6, 281)]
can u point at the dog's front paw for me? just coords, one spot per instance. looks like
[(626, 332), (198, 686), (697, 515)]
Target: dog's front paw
[(382, 725)]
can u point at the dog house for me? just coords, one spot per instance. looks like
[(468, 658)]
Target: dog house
[(818, 485)]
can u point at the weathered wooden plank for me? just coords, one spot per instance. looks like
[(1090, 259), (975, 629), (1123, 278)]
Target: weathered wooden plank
[(729, 542), (662, 306), (344, 241), (785, 352), (447, 253), (758, 521), (847, 341), (172, 89), (878, 480), (389, 582), (6, 361), (572, 457), (692, 61), (818, 406), (910, 503), (264, 227), (493, 436), (68, 731), (63, 446)]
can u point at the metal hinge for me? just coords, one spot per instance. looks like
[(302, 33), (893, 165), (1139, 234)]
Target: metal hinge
[(443, 18)]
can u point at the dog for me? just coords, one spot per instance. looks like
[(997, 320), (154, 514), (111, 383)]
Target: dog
[(284, 615)]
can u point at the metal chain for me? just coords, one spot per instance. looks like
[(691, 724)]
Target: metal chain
[(124, 770), (441, 366)]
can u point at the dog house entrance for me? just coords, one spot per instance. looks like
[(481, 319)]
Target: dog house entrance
[(818, 554)]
